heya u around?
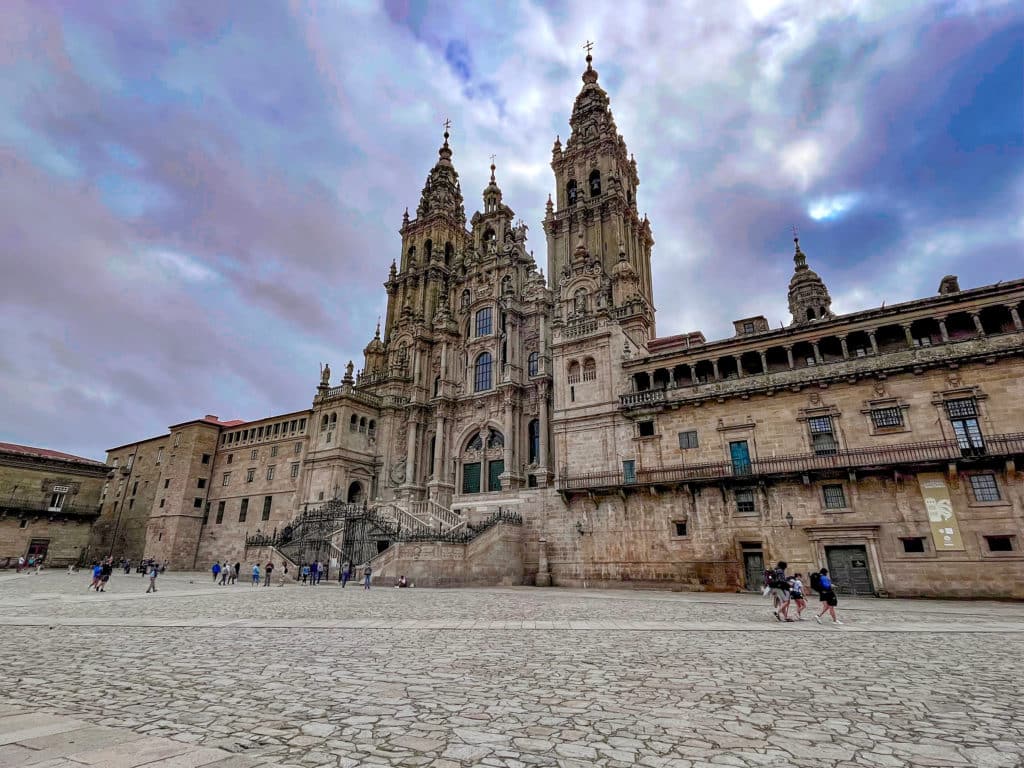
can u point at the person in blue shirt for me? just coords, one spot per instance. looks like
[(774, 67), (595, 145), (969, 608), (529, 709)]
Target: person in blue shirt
[(256, 575), (829, 601)]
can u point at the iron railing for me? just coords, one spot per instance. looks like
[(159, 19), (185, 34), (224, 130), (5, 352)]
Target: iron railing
[(43, 509), (931, 452)]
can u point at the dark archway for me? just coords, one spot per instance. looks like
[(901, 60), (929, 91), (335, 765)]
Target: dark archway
[(355, 492)]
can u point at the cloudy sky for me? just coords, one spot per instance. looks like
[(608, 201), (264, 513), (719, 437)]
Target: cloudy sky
[(199, 201)]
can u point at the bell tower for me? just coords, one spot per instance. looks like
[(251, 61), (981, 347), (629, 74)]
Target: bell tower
[(595, 199)]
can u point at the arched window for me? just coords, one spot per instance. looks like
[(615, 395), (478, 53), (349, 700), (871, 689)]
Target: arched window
[(334, 419), (489, 236), (595, 183), (533, 364), (465, 299), (574, 372), (495, 439), (810, 313), (449, 251), (475, 443), (428, 249), (323, 422), (589, 369), (482, 373), (353, 423), (533, 431), (362, 424), (570, 192), (484, 322), (371, 429)]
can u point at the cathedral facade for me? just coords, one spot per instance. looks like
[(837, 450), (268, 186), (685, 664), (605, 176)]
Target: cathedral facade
[(882, 444)]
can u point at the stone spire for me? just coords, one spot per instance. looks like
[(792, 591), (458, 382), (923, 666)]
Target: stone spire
[(442, 193), (492, 192), (808, 296)]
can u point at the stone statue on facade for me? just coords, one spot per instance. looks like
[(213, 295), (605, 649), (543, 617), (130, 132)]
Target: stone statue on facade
[(325, 375)]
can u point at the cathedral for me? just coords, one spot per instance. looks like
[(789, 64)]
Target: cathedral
[(518, 426)]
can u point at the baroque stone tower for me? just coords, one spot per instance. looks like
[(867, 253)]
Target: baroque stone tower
[(808, 296), (595, 212)]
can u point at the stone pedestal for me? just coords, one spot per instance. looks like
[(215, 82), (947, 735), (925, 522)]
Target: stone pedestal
[(543, 574)]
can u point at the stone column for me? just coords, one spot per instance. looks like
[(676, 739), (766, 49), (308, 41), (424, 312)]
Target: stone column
[(506, 452), (874, 344), (714, 367), (671, 377), (739, 365), (542, 396), (1016, 317), (909, 335), (764, 362), (693, 375), (542, 366), (977, 323), (543, 573), (942, 330), (817, 353), (789, 357), (439, 448), (846, 349), (410, 453)]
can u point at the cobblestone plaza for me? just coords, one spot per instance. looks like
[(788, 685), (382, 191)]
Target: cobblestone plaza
[(297, 676)]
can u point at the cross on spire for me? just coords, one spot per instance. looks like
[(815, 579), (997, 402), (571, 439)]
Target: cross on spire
[(588, 46)]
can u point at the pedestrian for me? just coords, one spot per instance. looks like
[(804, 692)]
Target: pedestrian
[(216, 571), (256, 574), (829, 601), (21, 563), (270, 572), (313, 568), (282, 575), (367, 573), (39, 565), (105, 570), (127, 567), (225, 572), (305, 572), (346, 573), (97, 571), (321, 571), (71, 569), (153, 573), (797, 593), (780, 591)]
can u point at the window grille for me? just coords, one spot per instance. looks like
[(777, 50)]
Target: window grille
[(887, 417), (985, 487)]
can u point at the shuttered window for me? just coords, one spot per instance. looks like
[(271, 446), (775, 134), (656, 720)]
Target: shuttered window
[(471, 477), (494, 470)]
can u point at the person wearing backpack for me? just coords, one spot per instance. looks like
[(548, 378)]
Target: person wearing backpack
[(797, 593), (780, 591), (829, 601)]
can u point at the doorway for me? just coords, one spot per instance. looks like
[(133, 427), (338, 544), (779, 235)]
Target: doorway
[(753, 570), (37, 549), (355, 493), (848, 567), (739, 453)]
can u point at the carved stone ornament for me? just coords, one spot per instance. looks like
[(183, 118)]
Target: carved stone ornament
[(397, 473), (815, 399), (879, 389), (954, 380)]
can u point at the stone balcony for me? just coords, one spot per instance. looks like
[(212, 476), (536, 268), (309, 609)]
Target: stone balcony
[(935, 452)]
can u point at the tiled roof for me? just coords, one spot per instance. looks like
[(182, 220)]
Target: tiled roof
[(45, 453)]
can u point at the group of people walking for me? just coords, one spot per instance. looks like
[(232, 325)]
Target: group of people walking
[(788, 590), (226, 574)]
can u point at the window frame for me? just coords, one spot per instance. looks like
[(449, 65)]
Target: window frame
[(483, 322), (743, 510), (483, 379), (829, 504), (689, 440), (994, 488)]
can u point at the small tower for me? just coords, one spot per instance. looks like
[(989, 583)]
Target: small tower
[(808, 297)]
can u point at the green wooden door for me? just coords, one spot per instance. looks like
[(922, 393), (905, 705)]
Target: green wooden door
[(494, 470)]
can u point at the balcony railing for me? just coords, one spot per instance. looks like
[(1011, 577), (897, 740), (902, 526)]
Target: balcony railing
[(932, 452), (43, 509)]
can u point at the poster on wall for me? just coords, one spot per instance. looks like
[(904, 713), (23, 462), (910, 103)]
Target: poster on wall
[(941, 517)]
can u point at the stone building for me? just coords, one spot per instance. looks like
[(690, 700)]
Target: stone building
[(881, 443), (48, 502)]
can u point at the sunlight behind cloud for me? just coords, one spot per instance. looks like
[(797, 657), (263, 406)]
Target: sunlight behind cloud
[(829, 208)]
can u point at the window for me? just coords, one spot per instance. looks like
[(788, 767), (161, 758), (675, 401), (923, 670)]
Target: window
[(206, 513), (482, 373), (680, 526), (243, 511), (688, 439), (748, 327), (471, 477), (320, 496), (259, 433), (353, 423), (835, 498), (266, 507), (629, 471), (371, 430), (131, 503), (255, 454), (745, 502), (589, 369), (645, 428), (999, 543), (362, 425), (963, 415), (167, 483), (570, 192), (270, 472), (197, 503), (206, 458), (984, 487), (595, 183), (177, 439), (220, 513), (227, 478), (273, 451), (302, 425), (231, 458), (295, 469), (298, 449), (913, 544), (159, 455), (250, 475), (23, 522), (887, 417), (161, 503), (484, 322), (135, 487), (201, 482), (823, 440), (574, 372), (533, 433), (57, 499)]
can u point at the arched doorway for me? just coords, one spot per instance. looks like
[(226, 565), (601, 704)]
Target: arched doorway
[(355, 492)]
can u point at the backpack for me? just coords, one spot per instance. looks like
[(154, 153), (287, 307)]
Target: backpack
[(816, 581)]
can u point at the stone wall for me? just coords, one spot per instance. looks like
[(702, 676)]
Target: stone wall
[(68, 540), (495, 558)]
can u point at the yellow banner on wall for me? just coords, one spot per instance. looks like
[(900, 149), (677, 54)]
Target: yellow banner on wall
[(941, 517)]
